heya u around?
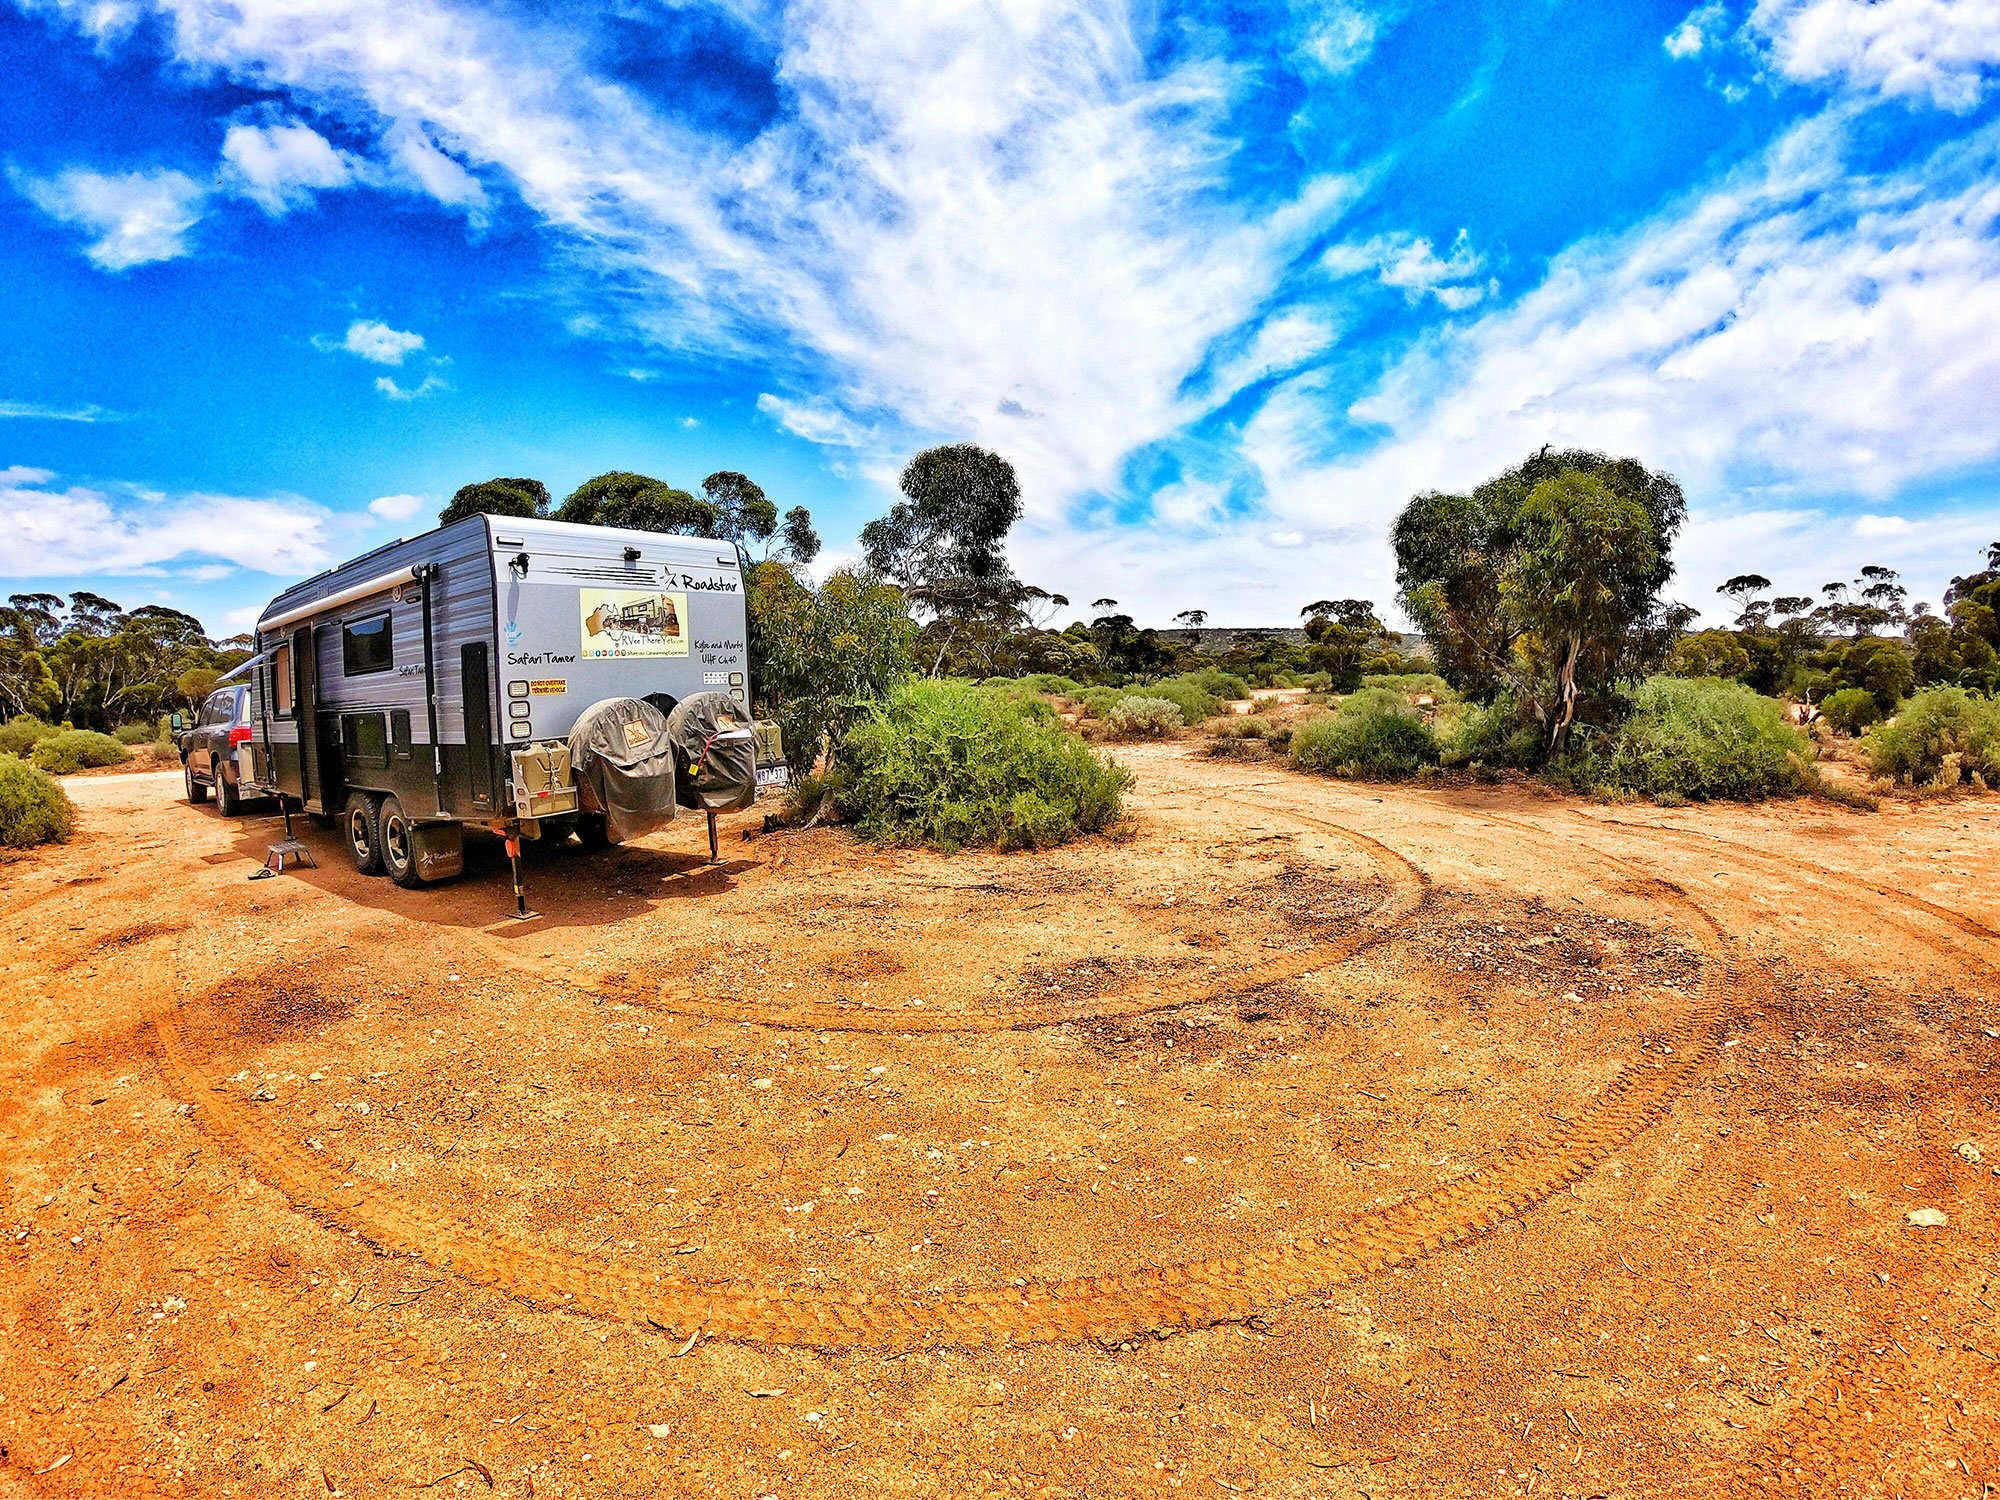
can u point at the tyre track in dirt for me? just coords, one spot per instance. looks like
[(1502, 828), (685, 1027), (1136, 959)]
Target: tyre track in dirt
[(1157, 1299), (1834, 879), (1409, 890)]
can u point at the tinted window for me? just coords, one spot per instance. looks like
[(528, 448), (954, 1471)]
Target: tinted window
[(363, 739), (365, 646), (220, 708)]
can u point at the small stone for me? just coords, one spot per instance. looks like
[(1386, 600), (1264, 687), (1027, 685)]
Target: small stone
[(1927, 1218), (660, 1429), (760, 1083), (1970, 1152)]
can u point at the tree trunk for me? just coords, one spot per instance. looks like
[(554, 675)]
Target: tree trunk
[(1566, 691)]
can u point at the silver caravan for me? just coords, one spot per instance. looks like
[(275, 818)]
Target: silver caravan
[(433, 683)]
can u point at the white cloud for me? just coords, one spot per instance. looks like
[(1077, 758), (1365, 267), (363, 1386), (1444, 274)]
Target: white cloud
[(1800, 325), (36, 411), (1337, 37), (968, 202), (1869, 527), (1409, 263), (280, 167), (431, 386), (417, 158), (1943, 50), (1699, 29), (137, 217), (815, 421), (397, 507), (379, 342), (122, 529)]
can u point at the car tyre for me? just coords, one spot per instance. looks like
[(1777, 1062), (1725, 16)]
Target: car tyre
[(228, 800), (398, 844), (362, 824), (592, 830), (197, 791)]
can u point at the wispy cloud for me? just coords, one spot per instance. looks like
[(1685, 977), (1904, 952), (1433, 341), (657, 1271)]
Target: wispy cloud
[(36, 411), (1409, 263), (961, 205), (430, 386), (127, 530), (136, 217)]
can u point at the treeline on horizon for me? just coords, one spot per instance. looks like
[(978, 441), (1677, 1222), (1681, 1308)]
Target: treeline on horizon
[(1543, 585)]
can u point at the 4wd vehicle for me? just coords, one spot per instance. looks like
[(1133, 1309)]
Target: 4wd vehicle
[(208, 751)]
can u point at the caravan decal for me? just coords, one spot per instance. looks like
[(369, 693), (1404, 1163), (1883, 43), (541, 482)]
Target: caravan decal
[(633, 622)]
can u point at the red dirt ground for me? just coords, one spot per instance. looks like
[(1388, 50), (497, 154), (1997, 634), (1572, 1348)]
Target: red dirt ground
[(1319, 1140)]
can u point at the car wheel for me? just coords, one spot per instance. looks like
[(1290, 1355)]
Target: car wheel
[(399, 844), (363, 826), (197, 793), (228, 800)]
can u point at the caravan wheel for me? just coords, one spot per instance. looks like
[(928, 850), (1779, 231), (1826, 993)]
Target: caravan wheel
[(399, 844), (363, 826)]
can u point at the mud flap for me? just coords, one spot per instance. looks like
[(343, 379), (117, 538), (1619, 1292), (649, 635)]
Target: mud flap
[(439, 849)]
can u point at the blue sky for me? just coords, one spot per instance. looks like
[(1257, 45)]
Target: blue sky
[(1227, 282)]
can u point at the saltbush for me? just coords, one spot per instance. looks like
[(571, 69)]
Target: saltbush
[(77, 750), (1150, 718), (1943, 736), (1374, 734), (1850, 710), (23, 732), (1692, 739), (944, 764), (33, 807), (133, 734)]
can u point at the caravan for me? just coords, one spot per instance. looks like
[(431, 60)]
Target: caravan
[(434, 683)]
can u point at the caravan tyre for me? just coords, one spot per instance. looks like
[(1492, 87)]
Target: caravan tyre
[(592, 831), (399, 844), (363, 827)]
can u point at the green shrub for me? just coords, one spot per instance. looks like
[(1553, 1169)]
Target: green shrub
[(133, 734), (23, 732), (1375, 734), (1851, 710), (1492, 734), (944, 764), (1152, 718), (1695, 738), (78, 749), (1026, 699), (33, 808), (1098, 701), (1943, 736)]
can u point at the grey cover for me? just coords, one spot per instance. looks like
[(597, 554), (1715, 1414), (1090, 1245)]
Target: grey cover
[(715, 752), (623, 758)]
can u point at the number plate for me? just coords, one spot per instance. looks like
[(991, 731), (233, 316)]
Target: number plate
[(773, 776)]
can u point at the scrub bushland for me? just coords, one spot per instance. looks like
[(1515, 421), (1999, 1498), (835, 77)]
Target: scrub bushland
[(1375, 735), (1942, 737), (1145, 718), (33, 808), (78, 750), (948, 765), (1694, 739)]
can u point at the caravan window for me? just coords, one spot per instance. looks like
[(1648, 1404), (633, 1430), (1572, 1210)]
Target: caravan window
[(366, 646), (281, 681)]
